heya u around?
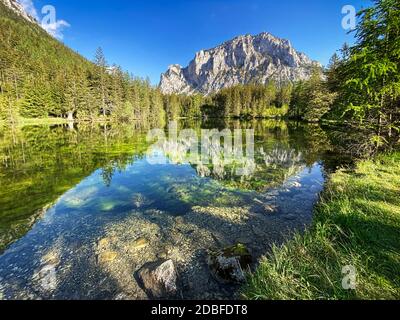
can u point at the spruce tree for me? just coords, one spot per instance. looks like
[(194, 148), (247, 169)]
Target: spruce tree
[(371, 71)]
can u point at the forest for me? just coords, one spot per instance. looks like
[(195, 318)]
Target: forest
[(83, 200), (40, 77)]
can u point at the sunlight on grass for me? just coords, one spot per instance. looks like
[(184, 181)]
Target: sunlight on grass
[(357, 223)]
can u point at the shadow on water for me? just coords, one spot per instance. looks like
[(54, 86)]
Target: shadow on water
[(107, 196)]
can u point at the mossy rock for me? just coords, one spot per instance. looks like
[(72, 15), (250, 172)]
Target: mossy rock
[(227, 265), (241, 252)]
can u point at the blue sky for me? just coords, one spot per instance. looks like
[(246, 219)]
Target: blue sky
[(146, 36)]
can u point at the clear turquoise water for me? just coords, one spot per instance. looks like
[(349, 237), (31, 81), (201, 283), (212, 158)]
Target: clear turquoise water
[(74, 202)]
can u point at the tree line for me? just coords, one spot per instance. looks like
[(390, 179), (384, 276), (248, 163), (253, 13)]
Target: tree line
[(361, 84), (40, 77)]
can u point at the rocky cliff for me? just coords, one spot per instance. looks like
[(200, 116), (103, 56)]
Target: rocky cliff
[(17, 8), (245, 59)]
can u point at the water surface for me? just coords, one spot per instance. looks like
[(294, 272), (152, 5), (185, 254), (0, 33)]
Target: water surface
[(83, 208)]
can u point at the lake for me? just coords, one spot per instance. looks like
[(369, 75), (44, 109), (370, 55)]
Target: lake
[(84, 207)]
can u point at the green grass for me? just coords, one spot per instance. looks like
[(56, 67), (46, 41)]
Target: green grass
[(357, 223)]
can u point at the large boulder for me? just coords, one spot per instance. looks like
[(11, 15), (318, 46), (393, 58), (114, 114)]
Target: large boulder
[(159, 279)]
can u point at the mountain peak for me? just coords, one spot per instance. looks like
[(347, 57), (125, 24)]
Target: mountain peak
[(242, 60), (19, 9)]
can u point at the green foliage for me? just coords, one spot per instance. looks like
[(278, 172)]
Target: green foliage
[(252, 101), (370, 72), (312, 99), (284, 95), (358, 224), (45, 78), (172, 106), (3, 107), (41, 77), (275, 112), (363, 83), (36, 101)]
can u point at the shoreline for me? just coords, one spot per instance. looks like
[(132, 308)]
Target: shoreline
[(356, 228)]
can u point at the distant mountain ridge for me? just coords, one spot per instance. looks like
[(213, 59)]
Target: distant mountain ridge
[(245, 59), (18, 9)]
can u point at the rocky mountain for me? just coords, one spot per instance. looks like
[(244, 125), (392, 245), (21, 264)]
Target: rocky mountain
[(245, 59), (18, 9)]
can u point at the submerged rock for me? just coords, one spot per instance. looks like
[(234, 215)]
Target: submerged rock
[(140, 201), (139, 244), (228, 264), (51, 258), (264, 208), (105, 257), (245, 240), (46, 277), (103, 244), (158, 279), (290, 217)]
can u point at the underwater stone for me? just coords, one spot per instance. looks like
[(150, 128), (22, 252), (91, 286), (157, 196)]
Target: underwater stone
[(158, 279), (245, 240), (51, 258), (261, 207), (140, 201), (139, 244), (103, 243), (105, 257), (290, 217), (227, 265), (46, 277), (179, 220)]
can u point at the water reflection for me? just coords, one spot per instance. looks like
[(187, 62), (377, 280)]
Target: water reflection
[(89, 208)]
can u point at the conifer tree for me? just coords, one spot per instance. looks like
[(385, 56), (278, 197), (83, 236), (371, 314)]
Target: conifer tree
[(370, 73), (100, 80)]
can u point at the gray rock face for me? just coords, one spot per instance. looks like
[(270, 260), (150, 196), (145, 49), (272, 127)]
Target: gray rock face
[(15, 6), (245, 59)]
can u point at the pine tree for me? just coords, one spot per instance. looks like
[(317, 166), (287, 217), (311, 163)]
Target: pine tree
[(172, 106), (35, 102), (117, 94), (100, 84), (157, 112), (284, 95), (371, 71)]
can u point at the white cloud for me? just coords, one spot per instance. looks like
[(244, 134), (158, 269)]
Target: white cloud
[(29, 8), (53, 26), (56, 29)]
